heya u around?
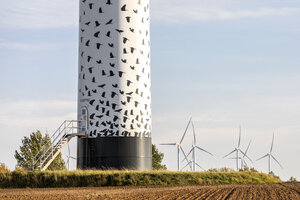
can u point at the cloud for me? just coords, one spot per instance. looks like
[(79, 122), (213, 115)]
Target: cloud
[(192, 13), (50, 14), (27, 46), (39, 14), (36, 114)]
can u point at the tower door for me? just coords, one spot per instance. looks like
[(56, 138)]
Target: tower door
[(84, 120)]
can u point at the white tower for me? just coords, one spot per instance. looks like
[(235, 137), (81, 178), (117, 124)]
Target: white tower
[(114, 84)]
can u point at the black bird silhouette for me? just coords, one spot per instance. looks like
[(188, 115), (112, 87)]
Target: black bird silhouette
[(111, 73), (111, 55), (94, 91), (129, 82), (128, 19), (89, 58), (107, 103), (81, 68), (99, 116), (138, 77), (97, 34), (100, 10), (97, 124), (103, 73), (97, 107), (136, 103), (99, 61), (129, 93), (94, 80), (125, 119), (128, 99), (131, 127), (132, 67), (103, 110), (82, 54), (87, 23), (116, 118), (102, 102), (97, 24), (113, 94), (124, 51), (87, 43), (92, 116), (119, 31), (98, 45), (131, 113), (112, 64), (115, 85), (92, 102), (103, 95), (125, 40), (108, 2), (132, 49), (124, 60), (131, 29), (123, 103), (101, 86), (83, 1), (109, 22), (114, 105), (123, 125), (126, 113), (137, 61), (118, 111), (83, 76), (121, 91), (123, 8), (121, 74), (111, 45), (107, 113), (135, 11), (91, 70), (108, 34), (91, 6)]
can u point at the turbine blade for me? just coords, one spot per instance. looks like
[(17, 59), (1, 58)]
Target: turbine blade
[(185, 131), (248, 148), (183, 153), (73, 157), (204, 150), (240, 132), (189, 153), (229, 153), (173, 144), (277, 161), (200, 166), (245, 155), (262, 157), (194, 134), (272, 144), (69, 148)]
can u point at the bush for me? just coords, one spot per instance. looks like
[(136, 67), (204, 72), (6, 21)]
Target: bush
[(3, 168), (50, 179)]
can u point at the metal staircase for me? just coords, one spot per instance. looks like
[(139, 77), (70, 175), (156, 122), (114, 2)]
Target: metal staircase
[(61, 137)]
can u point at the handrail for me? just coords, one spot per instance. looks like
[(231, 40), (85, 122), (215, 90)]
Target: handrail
[(56, 139)]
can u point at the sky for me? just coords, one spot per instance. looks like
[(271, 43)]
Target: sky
[(226, 63)]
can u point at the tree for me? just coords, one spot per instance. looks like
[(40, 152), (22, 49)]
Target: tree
[(3, 168), (157, 158), (31, 146)]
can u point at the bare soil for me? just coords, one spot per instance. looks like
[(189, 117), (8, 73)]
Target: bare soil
[(282, 191)]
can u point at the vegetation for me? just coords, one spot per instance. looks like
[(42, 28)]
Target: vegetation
[(157, 158), (50, 179), (3, 168), (30, 147), (293, 180)]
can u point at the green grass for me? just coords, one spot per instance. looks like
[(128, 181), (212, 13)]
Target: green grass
[(93, 178)]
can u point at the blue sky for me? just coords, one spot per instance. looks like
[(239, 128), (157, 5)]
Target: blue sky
[(226, 63)]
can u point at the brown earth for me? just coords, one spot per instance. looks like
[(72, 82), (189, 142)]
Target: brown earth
[(280, 191)]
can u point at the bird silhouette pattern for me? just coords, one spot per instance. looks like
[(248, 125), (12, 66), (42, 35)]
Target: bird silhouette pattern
[(114, 67)]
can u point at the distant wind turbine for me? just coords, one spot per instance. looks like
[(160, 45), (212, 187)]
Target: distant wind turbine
[(242, 158), (193, 151), (179, 148), (238, 150), (69, 157), (269, 155)]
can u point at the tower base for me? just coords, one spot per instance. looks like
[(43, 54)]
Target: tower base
[(132, 153)]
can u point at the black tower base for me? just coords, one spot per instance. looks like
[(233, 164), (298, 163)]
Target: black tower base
[(132, 153)]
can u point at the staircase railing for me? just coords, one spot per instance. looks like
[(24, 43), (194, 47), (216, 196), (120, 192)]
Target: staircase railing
[(67, 130)]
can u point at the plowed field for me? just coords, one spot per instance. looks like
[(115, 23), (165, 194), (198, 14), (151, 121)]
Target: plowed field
[(220, 192)]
